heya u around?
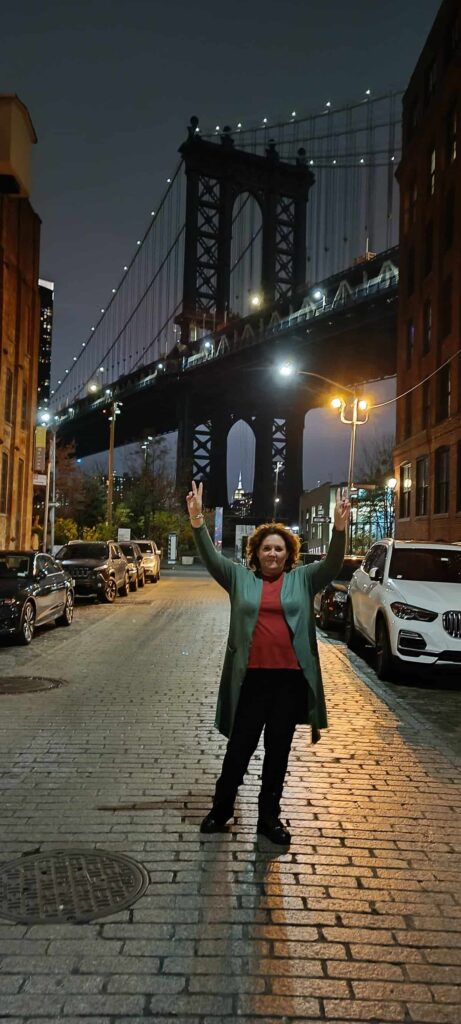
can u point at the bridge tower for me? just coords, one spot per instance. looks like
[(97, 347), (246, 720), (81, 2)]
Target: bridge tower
[(217, 173)]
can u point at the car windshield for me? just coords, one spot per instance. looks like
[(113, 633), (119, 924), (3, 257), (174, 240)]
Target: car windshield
[(430, 565), (348, 569), (14, 566), (145, 546), (127, 549), (77, 551)]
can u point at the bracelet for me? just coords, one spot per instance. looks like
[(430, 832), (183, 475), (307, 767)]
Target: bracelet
[(198, 516)]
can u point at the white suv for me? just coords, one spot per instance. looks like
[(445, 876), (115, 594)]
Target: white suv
[(151, 556), (406, 600)]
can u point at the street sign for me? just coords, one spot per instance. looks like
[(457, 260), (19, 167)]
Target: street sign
[(172, 548), (123, 533), (40, 449), (39, 479), (321, 519)]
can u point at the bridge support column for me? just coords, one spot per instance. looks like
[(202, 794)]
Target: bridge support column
[(264, 472), (293, 474), (217, 483), (185, 448)]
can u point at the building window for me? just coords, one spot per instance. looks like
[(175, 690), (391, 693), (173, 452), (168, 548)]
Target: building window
[(449, 219), (427, 326), (9, 397), (458, 477), (24, 407), (407, 416), (422, 484), (450, 135), (430, 81), (411, 271), (452, 38), (405, 490), (428, 247), (19, 499), (426, 405), (412, 201), (4, 483), (442, 480), (410, 343), (443, 393), (446, 301), (431, 180)]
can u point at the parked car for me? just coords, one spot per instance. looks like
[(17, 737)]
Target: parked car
[(98, 567), (34, 589), (133, 555), (330, 603), (405, 599), (151, 556)]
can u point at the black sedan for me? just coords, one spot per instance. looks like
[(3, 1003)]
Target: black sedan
[(330, 603), (34, 589)]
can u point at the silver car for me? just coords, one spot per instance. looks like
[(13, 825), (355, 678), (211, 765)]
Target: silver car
[(151, 556)]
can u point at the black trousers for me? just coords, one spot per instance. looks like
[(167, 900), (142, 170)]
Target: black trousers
[(270, 699)]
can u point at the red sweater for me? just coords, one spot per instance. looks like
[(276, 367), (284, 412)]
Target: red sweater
[(271, 644)]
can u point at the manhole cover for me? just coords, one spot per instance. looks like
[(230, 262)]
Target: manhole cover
[(69, 885), (27, 684)]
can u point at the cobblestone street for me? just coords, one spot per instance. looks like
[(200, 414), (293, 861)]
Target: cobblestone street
[(359, 921)]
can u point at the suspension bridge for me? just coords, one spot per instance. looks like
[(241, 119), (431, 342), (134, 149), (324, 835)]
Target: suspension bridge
[(272, 241)]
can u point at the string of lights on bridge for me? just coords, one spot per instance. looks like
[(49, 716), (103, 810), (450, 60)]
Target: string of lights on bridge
[(316, 160)]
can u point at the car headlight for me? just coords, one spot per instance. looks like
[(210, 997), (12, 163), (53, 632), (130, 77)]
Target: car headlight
[(410, 611), (340, 597)]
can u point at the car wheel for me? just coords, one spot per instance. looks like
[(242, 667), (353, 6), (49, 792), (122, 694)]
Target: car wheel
[(142, 580), (66, 618), (351, 635), (110, 591), (26, 629), (156, 578), (134, 584), (323, 619), (125, 588), (386, 668)]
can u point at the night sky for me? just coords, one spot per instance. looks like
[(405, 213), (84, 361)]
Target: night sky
[(111, 84)]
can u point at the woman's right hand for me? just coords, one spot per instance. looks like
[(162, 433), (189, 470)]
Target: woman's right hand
[(194, 500)]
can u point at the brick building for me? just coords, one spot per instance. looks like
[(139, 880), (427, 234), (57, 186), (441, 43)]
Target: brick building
[(19, 323), (428, 452)]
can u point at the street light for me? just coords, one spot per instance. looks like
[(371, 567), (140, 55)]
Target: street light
[(278, 467), (51, 425), (115, 410), (356, 405), (256, 301), (391, 484)]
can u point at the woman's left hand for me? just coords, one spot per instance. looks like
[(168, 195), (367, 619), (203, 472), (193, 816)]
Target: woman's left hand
[(342, 511)]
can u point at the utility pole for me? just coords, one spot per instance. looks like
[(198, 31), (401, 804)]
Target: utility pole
[(114, 408)]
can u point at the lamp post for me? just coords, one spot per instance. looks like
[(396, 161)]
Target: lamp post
[(391, 484), (278, 467), (357, 405), (115, 409), (50, 501)]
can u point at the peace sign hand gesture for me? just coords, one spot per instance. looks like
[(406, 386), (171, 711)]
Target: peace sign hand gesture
[(342, 511), (194, 502)]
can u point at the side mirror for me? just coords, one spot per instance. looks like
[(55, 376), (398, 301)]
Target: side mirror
[(376, 574)]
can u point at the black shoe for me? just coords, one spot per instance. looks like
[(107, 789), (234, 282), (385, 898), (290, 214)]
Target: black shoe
[(274, 830), (213, 822)]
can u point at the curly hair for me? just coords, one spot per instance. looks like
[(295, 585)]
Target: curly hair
[(256, 538)]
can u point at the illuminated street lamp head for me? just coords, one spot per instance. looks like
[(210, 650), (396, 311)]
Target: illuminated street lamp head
[(286, 369), (92, 387), (363, 404), (392, 483), (318, 294), (44, 418), (255, 301), (336, 403)]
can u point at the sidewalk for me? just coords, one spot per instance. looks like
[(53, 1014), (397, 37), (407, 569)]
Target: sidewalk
[(359, 921)]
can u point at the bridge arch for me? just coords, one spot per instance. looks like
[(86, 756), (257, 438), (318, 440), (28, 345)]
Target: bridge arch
[(246, 264)]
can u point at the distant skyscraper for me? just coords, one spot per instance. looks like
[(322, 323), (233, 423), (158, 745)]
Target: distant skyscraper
[(46, 289)]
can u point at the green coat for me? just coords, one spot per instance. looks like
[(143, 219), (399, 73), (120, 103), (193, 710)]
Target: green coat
[(297, 596)]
